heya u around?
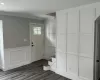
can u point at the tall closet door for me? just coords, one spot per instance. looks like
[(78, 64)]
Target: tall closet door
[(61, 42), (72, 41), (86, 51)]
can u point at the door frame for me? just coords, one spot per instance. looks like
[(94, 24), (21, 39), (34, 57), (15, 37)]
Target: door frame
[(31, 36), (95, 48)]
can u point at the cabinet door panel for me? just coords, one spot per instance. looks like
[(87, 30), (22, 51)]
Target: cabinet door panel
[(87, 20), (86, 45), (73, 21), (86, 68), (72, 64), (61, 23), (72, 44), (61, 42), (61, 61)]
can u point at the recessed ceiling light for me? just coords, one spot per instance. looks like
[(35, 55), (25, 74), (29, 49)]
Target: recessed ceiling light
[(2, 3)]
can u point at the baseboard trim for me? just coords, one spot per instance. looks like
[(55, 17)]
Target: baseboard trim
[(1, 67), (68, 75), (15, 66)]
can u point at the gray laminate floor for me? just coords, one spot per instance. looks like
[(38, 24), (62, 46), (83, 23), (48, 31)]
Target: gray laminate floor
[(32, 71)]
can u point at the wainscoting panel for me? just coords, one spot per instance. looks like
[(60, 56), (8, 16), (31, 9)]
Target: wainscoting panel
[(16, 57), (61, 61), (86, 68), (72, 64)]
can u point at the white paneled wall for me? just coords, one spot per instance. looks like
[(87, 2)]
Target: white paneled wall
[(72, 41), (61, 42), (50, 38), (72, 64), (16, 57), (86, 50), (75, 41)]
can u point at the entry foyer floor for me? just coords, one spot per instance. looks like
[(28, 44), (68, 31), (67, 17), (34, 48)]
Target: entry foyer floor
[(33, 71)]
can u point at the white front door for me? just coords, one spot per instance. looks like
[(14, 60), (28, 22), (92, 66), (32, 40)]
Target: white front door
[(37, 41)]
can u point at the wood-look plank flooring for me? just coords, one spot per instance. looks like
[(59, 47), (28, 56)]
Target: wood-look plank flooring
[(33, 71)]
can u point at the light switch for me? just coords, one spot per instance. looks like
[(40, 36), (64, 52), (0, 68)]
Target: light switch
[(25, 40)]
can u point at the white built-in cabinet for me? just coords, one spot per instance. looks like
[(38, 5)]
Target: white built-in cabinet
[(75, 41)]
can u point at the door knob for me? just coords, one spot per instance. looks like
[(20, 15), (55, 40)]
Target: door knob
[(32, 45), (32, 42), (97, 60)]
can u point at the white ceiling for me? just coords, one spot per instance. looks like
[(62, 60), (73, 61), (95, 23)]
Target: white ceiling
[(34, 7)]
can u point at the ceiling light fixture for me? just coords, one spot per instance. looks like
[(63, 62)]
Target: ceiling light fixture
[(2, 3)]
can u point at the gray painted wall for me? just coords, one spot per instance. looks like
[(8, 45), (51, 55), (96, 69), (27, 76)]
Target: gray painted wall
[(50, 38), (15, 30)]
